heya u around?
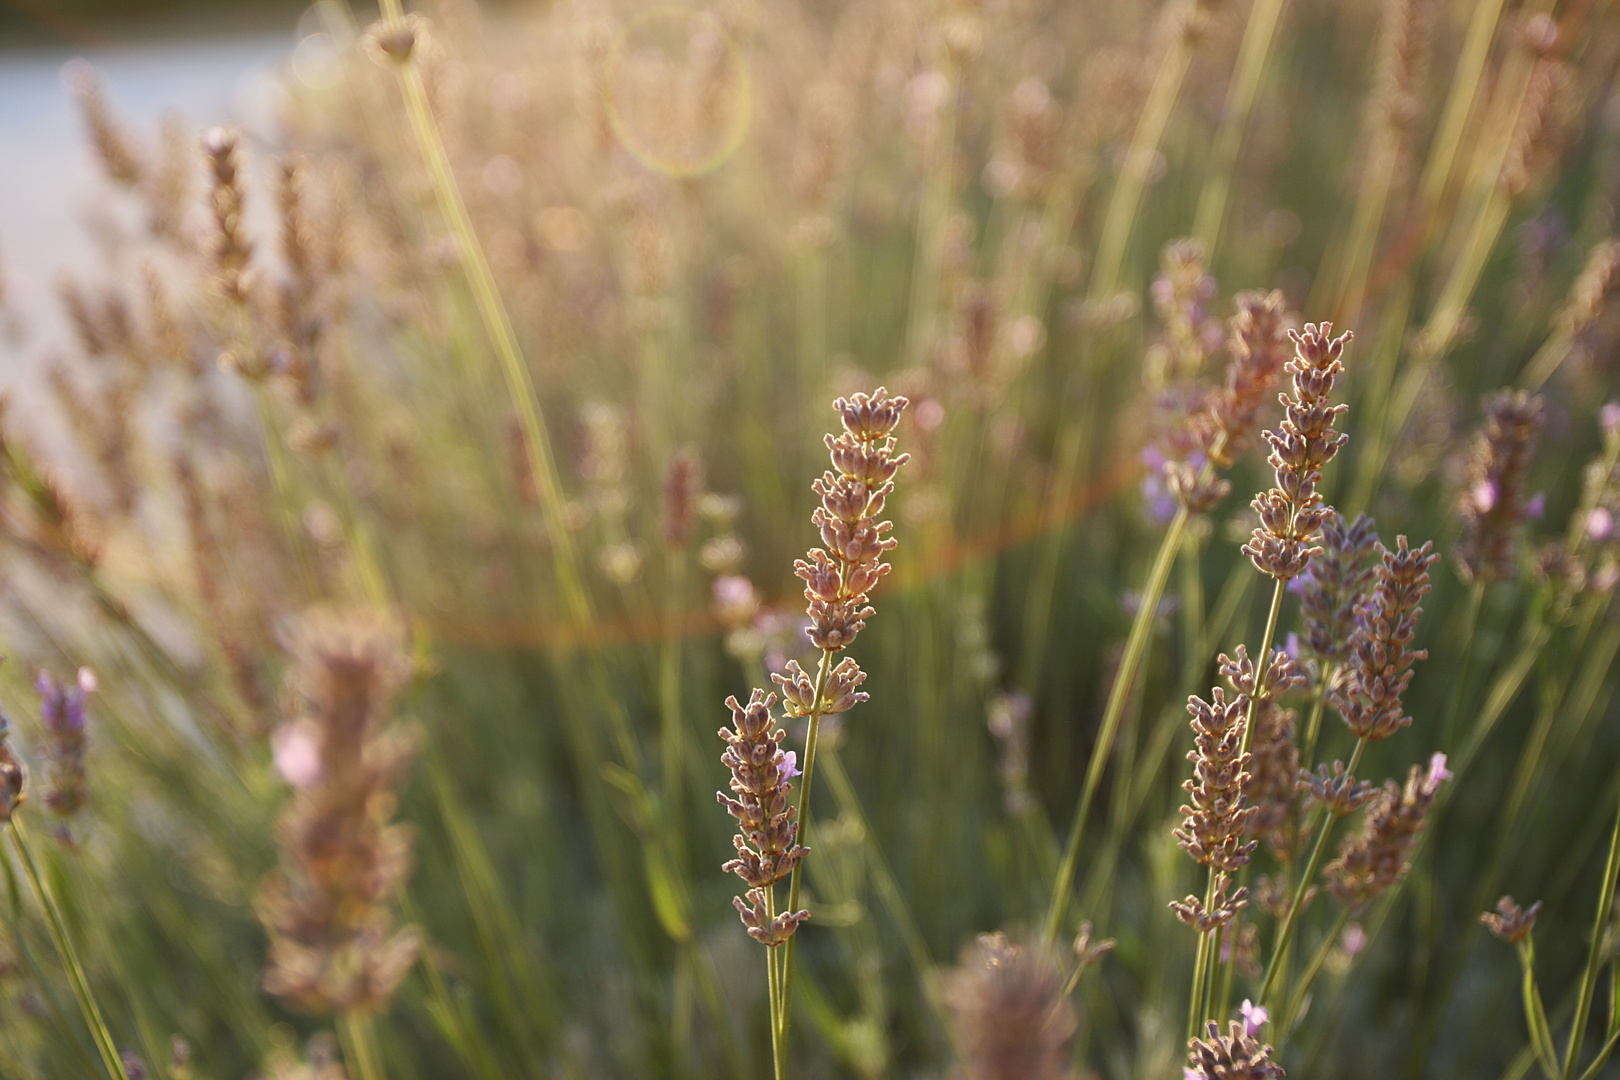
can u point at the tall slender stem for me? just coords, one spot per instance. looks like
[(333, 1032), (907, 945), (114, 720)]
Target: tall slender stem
[(1195, 1006), (1594, 954), (785, 1002), (1311, 971), (498, 324), (360, 1044), (70, 957), (1135, 646), (773, 983), (1291, 919), (1476, 598)]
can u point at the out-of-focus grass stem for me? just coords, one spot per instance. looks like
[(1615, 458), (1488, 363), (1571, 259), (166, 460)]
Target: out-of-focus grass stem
[(1253, 57), (1476, 599), (1201, 963), (1135, 648), (1311, 971), (1124, 201), (1535, 1013), (498, 324), (1594, 955), (1291, 919), (70, 957), (360, 1045)]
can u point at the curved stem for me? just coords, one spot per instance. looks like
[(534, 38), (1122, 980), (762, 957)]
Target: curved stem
[(785, 1002), (1195, 1006), (70, 957), (1135, 647)]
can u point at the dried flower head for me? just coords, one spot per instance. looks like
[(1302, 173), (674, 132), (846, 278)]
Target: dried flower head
[(1597, 282), (1223, 907), (1237, 1055), (107, 135), (1509, 921), (1379, 855), (233, 251), (683, 486), (333, 943), (1493, 506), (761, 782), (1304, 442), (1215, 823), (1336, 791), (839, 576), (1013, 1020), (1380, 658)]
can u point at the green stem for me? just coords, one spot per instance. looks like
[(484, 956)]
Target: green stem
[(1253, 54), (1195, 1006), (1126, 197), (1594, 954), (1535, 1013), (1135, 647), (498, 324), (70, 958), (785, 1004), (360, 1044), (1311, 971), (1476, 597), (773, 983), (1291, 920)]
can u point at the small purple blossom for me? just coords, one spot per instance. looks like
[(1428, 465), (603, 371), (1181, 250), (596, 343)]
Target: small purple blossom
[(789, 765), (1536, 507), (1484, 496), (1254, 1017), (1609, 417), (1437, 771), (1599, 525), (1354, 940), (1291, 645)]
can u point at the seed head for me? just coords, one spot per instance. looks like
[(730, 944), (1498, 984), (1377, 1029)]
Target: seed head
[(1237, 1055), (1379, 856)]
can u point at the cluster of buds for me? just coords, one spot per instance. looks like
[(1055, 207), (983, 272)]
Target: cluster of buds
[(1013, 1019), (1335, 584), (1304, 442), (1509, 921), (761, 782), (1335, 790), (1494, 507), (1222, 430), (333, 944), (1380, 653), (1379, 856), (61, 713), (1273, 787), (839, 576)]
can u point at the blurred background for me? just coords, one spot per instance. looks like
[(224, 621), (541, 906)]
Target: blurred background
[(477, 371)]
